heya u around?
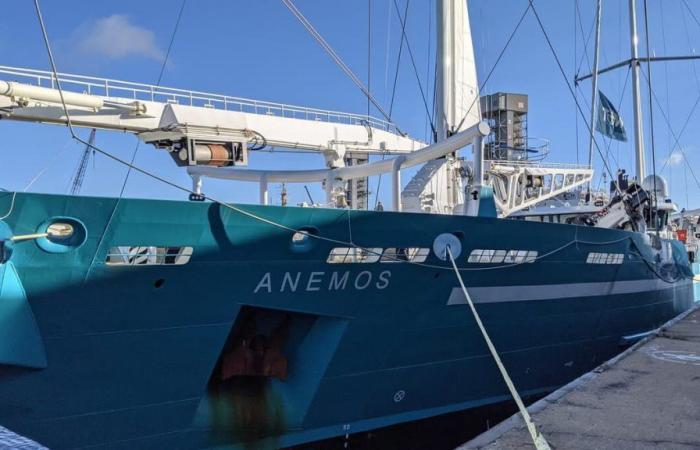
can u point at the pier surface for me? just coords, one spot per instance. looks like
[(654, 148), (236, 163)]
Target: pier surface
[(13, 441), (646, 398)]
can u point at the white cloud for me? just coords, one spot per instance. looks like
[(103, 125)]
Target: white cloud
[(116, 37), (674, 158)]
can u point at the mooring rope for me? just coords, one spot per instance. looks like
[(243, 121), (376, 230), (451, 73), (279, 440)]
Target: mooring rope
[(12, 206), (537, 439)]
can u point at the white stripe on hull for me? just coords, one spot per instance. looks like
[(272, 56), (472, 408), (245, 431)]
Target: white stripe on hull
[(500, 294)]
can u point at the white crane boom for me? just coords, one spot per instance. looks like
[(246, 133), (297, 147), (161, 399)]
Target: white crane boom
[(197, 128)]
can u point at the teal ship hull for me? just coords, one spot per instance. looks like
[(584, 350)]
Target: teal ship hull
[(102, 352)]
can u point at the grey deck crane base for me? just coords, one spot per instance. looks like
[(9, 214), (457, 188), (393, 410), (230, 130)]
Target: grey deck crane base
[(648, 397)]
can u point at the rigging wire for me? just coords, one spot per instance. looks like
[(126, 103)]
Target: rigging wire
[(608, 142), (586, 40), (571, 90), (339, 62), (53, 161), (398, 58), (396, 78), (654, 214), (386, 51), (697, 83), (413, 63), (495, 64), (172, 40), (677, 137), (687, 36), (160, 78), (692, 14), (579, 63)]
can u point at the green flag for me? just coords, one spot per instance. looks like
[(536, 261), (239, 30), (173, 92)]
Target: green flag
[(609, 122)]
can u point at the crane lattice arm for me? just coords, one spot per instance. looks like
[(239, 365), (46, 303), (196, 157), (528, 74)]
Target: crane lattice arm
[(82, 165)]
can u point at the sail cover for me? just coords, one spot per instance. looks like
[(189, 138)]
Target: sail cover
[(457, 86)]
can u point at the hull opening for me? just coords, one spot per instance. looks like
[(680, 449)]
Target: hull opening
[(264, 379)]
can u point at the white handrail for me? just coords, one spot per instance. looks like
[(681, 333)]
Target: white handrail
[(328, 176), (141, 91), (536, 164)]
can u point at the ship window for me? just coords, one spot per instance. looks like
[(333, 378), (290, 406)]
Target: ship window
[(498, 256), (520, 256), (484, 256), (400, 254), (475, 255), (345, 255), (148, 256), (605, 258)]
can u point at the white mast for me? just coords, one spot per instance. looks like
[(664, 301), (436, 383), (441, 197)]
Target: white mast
[(594, 95), (637, 105)]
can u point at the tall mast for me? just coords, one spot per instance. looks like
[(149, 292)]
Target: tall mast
[(636, 96), (594, 95), (445, 57)]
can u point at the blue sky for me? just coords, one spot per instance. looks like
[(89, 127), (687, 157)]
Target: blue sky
[(258, 50)]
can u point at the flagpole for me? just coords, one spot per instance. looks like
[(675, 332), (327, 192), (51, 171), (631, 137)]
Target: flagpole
[(594, 95), (636, 95)]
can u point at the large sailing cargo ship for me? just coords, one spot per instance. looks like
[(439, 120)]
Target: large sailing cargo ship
[(138, 323)]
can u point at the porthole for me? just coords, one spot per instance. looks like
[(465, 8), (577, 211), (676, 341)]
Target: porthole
[(303, 239), (300, 238), (59, 231), (63, 234)]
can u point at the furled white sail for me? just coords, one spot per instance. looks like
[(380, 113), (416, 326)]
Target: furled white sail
[(457, 87)]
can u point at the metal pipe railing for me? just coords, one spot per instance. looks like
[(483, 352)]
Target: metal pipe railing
[(140, 91)]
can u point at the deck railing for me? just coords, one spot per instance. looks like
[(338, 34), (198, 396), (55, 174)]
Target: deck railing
[(146, 92)]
